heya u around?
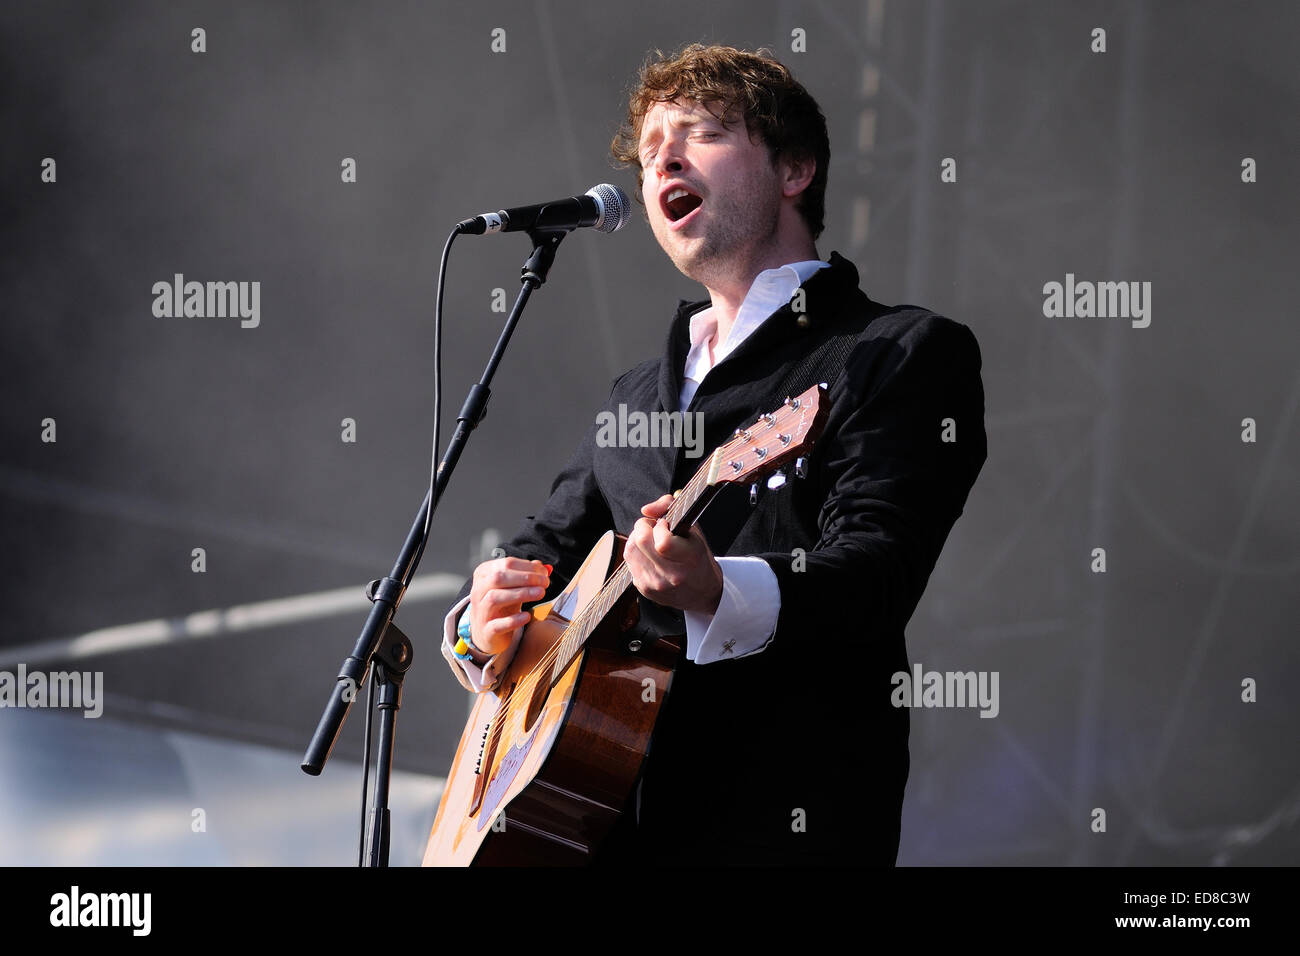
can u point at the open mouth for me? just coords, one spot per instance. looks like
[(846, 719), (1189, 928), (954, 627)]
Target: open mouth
[(679, 203)]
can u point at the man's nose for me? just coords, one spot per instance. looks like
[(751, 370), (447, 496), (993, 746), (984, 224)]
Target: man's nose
[(670, 159)]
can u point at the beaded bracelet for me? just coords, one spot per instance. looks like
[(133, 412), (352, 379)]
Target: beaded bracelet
[(464, 645)]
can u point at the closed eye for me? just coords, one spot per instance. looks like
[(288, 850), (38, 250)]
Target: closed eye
[(649, 156)]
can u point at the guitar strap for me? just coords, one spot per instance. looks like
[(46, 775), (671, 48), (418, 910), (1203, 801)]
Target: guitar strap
[(823, 364)]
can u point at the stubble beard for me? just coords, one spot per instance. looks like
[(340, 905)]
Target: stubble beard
[(736, 233)]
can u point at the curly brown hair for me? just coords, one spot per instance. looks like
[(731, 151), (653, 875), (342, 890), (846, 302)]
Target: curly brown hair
[(727, 81)]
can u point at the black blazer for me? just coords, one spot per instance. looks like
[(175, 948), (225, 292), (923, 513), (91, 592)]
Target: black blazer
[(793, 753)]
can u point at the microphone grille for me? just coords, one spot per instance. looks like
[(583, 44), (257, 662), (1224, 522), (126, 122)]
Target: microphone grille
[(615, 207)]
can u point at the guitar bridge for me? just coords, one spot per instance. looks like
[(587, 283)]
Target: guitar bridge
[(482, 747)]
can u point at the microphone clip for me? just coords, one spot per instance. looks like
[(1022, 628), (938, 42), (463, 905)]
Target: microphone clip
[(545, 242)]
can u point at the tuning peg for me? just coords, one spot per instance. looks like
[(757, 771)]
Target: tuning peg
[(801, 468), (753, 493), (776, 481)]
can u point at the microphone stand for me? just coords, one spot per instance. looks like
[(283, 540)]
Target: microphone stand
[(381, 642)]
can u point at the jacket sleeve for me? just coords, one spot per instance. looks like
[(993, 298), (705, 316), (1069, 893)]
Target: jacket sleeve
[(903, 444), (561, 534)]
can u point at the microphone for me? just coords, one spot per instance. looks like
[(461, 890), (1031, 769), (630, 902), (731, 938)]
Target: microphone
[(606, 207)]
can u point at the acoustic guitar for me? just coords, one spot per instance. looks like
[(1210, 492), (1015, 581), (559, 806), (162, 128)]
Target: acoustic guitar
[(550, 757)]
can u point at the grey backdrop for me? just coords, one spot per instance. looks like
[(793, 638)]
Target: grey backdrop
[(1119, 690)]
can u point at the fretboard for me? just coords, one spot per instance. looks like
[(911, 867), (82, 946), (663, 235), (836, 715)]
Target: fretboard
[(682, 513)]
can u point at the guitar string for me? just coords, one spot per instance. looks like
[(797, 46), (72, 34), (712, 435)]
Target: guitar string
[(548, 659), (587, 620), (681, 504), (604, 599), (611, 590)]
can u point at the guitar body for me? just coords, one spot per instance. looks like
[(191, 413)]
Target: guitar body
[(543, 779)]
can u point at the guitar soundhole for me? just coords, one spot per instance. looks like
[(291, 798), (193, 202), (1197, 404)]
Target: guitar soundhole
[(541, 690)]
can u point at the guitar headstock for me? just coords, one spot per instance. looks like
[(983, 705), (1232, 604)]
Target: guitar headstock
[(771, 441)]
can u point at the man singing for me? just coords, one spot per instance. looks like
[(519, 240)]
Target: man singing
[(778, 742)]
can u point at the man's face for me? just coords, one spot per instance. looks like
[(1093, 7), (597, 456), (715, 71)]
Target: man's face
[(711, 193)]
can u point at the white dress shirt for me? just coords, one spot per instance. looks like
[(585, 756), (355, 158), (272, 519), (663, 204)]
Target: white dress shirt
[(751, 598)]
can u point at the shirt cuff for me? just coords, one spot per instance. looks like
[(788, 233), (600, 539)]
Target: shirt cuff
[(472, 677), (746, 616)]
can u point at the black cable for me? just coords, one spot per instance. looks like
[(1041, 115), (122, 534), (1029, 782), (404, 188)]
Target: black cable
[(437, 405), (365, 768), (424, 537)]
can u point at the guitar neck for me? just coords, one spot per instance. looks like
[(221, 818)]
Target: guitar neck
[(687, 506)]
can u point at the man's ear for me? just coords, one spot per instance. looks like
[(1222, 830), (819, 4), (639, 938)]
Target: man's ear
[(797, 173)]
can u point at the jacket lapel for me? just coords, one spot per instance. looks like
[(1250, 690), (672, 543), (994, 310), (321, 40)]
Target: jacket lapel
[(673, 366), (824, 295)]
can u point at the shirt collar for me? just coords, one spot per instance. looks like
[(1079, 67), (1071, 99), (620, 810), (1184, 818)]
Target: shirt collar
[(770, 290)]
